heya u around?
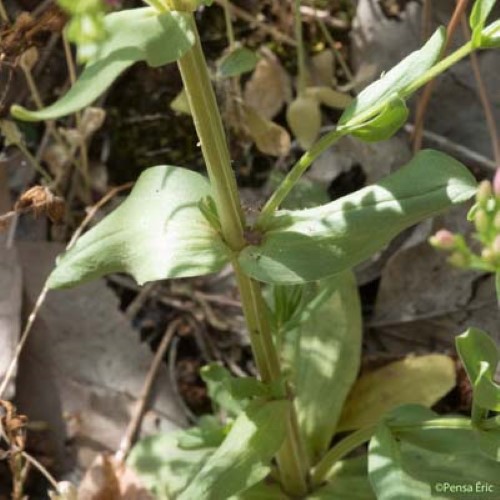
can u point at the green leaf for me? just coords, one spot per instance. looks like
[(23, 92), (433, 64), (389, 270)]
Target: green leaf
[(157, 233), (218, 381), (243, 458), (480, 357), (164, 467), (349, 482), (326, 359), (209, 433), (480, 12), (387, 474), (427, 462), (262, 491), (384, 125), (491, 36), (307, 245), (422, 380), (238, 61), (395, 82), (133, 35)]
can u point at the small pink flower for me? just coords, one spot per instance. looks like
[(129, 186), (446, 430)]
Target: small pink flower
[(443, 239), (496, 182)]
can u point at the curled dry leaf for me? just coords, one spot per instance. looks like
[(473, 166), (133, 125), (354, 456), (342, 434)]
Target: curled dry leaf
[(65, 491), (29, 58), (323, 68), (107, 480), (39, 200), (304, 118), (329, 97), (10, 132), (92, 120), (270, 138), (269, 88)]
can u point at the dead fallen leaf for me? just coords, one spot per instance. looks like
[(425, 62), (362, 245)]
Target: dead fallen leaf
[(323, 69), (304, 118), (270, 138), (420, 380), (105, 480), (85, 362), (269, 88)]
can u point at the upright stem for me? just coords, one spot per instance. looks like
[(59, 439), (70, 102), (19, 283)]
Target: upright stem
[(301, 55), (229, 24), (208, 123)]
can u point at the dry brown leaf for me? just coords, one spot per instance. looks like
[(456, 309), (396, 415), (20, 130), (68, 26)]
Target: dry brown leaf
[(107, 480), (330, 97), (269, 88), (323, 69), (270, 138), (420, 380), (304, 118)]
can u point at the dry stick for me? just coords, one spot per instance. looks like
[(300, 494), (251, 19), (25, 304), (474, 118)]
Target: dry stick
[(136, 420), (43, 294), (465, 154), (425, 98), (84, 160), (249, 18), (33, 461), (483, 96), (136, 305)]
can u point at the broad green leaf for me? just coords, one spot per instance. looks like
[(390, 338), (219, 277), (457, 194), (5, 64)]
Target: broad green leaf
[(489, 442), (348, 482), (219, 384), (262, 491), (386, 470), (307, 193), (480, 12), (420, 463), (208, 433), (395, 82), (326, 359), (158, 232), (243, 458), (420, 380), (307, 245), (133, 35), (164, 467), (480, 357), (384, 125), (238, 61)]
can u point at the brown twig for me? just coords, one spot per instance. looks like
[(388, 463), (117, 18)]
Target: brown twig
[(483, 96), (136, 420), (465, 154), (425, 98), (249, 18), (43, 294)]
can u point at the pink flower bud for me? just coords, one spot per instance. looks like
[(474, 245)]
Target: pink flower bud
[(496, 182), (443, 239)]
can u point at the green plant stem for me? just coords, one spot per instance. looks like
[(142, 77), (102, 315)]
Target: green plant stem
[(301, 54), (296, 173), (208, 123), (331, 138), (323, 471), (229, 25)]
